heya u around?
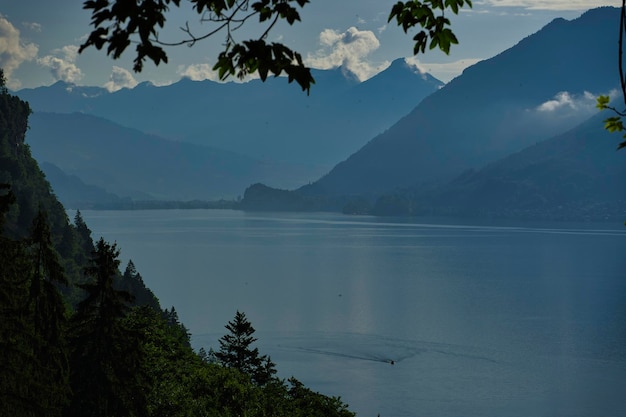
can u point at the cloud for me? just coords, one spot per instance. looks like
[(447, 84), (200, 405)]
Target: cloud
[(444, 72), (13, 51), (34, 26), (62, 64), (565, 101), (198, 72), (120, 78), (552, 4), (348, 50), (201, 72)]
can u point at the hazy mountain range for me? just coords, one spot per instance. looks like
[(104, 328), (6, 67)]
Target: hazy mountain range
[(269, 121), (508, 133), (576, 175), (515, 135), (130, 163), (541, 87), (206, 140)]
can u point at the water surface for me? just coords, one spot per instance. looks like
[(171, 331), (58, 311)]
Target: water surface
[(480, 319)]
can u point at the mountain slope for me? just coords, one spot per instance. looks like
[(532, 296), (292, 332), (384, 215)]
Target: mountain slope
[(75, 194), (532, 91), (577, 173), (133, 164)]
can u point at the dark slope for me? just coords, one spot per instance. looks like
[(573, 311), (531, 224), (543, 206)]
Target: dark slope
[(33, 193), (489, 111)]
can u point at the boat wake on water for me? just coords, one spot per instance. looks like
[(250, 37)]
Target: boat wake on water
[(375, 348)]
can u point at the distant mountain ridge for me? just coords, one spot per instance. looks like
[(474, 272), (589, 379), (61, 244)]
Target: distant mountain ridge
[(534, 90), (132, 164), (272, 121)]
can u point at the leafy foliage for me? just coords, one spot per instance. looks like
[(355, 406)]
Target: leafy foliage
[(118, 23), (430, 16), (615, 123)]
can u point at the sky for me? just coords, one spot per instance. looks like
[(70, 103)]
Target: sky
[(39, 40)]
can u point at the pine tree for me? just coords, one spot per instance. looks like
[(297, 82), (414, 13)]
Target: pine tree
[(177, 329), (132, 281), (16, 333), (236, 352), (84, 240), (106, 355), (46, 306)]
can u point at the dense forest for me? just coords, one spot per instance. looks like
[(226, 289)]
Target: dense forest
[(80, 338)]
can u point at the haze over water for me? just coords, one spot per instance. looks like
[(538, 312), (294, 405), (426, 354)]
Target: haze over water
[(480, 320)]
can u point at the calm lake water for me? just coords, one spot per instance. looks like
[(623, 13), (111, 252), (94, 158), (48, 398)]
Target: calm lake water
[(502, 320)]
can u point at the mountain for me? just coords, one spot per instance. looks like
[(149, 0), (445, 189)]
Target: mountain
[(129, 163), (539, 88), (73, 193), (576, 175), (271, 121)]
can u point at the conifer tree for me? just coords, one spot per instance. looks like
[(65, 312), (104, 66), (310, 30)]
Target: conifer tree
[(47, 309), (132, 281), (106, 357), (84, 240), (236, 352), (177, 329), (16, 333)]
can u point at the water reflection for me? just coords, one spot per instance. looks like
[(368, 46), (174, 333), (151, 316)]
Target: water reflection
[(498, 319)]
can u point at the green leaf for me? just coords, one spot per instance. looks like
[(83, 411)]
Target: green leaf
[(602, 102)]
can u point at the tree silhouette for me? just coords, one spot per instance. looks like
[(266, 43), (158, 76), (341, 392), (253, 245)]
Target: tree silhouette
[(105, 359), (51, 368), (119, 23), (236, 351)]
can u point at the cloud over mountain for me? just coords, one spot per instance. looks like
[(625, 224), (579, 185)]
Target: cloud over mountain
[(447, 70), (565, 100), (198, 72), (347, 50), (13, 51), (120, 78), (62, 64)]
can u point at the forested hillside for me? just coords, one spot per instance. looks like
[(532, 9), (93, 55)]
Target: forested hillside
[(80, 338)]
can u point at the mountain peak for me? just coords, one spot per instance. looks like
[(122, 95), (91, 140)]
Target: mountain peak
[(492, 109)]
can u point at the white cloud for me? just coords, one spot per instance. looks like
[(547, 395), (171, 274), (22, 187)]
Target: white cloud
[(62, 64), (13, 51), (34, 26), (348, 50), (553, 4), (120, 78), (564, 101), (201, 72), (443, 72), (198, 72)]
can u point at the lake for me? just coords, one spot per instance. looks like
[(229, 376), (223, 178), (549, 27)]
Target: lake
[(492, 319)]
